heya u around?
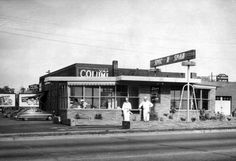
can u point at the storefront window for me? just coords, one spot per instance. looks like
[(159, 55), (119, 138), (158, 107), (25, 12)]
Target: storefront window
[(104, 97), (76, 94), (201, 101), (175, 99), (76, 91), (121, 93), (134, 96), (91, 97), (107, 98), (202, 98)]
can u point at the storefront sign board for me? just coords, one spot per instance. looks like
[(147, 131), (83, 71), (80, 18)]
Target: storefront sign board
[(187, 55), (93, 72)]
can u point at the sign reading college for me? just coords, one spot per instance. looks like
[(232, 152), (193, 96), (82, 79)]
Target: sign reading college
[(187, 55), (93, 72)]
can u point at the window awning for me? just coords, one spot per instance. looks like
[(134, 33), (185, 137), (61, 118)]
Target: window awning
[(91, 83)]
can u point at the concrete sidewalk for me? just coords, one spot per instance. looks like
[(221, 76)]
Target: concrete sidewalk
[(102, 132), (14, 129)]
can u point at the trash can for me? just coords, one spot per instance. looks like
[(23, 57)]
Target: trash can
[(125, 124)]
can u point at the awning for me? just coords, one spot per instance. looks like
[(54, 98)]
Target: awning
[(91, 83)]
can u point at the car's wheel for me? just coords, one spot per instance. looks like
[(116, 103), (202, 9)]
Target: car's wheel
[(49, 118)]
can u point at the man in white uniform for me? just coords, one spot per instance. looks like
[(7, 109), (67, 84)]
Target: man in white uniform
[(146, 108), (126, 107)]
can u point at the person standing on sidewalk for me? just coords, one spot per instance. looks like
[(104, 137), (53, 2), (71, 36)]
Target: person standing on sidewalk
[(126, 107), (146, 108)]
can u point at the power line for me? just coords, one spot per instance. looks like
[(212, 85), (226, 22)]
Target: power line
[(29, 21), (100, 47), (73, 43), (82, 44), (61, 35)]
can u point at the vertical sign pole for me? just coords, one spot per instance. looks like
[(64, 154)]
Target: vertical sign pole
[(188, 92), (188, 64)]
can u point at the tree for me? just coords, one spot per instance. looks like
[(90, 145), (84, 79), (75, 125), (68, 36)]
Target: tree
[(22, 90), (7, 90)]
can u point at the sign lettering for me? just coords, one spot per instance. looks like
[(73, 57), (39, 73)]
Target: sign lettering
[(93, 72), (187, 55)]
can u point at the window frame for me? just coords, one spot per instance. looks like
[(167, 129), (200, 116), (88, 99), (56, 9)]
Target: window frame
[(200, 100)]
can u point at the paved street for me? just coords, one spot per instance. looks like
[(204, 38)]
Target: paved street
[(211, 146)]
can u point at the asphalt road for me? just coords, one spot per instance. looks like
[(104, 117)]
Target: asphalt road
[(138, 147)]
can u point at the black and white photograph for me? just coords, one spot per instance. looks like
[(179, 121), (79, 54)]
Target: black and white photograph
[(114, 80)]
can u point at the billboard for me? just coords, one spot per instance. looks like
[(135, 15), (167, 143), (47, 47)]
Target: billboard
[(187, 55), (28, 100), (7, 100)]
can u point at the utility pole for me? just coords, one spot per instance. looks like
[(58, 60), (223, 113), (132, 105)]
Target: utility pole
[(188, 64)]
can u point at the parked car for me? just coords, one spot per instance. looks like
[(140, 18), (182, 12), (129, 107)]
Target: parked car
[(16, 112), (34, 114), (8, 112)]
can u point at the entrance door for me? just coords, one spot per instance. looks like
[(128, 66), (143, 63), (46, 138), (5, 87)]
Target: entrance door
[(223, 105)]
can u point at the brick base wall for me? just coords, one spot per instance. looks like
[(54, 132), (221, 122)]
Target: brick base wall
[(67, 116)]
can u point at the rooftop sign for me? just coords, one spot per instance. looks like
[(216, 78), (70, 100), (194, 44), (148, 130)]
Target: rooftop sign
[(187, 55), (93, 72), (222, 78)]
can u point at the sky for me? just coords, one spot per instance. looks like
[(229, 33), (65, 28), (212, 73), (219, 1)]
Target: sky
[(41, 35)]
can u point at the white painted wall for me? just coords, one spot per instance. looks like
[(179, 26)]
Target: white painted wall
[(223, 106)]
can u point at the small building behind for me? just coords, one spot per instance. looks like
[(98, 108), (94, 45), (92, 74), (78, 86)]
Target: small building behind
[(225, 101)]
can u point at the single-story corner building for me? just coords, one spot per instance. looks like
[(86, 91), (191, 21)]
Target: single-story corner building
[(97, 91)]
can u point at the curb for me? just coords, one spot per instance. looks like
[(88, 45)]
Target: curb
[(67, 134)]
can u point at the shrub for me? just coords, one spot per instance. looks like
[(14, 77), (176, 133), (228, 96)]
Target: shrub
[(207, 116), (213, 118), (222, 117), (98, 116), (193, 119), (133, 117), (228, 118), (161, 119), (153, 116), (202, 118), (172, 110), (165, 114), (203, 115), (171, 117), (77, 116), (182, 119)]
